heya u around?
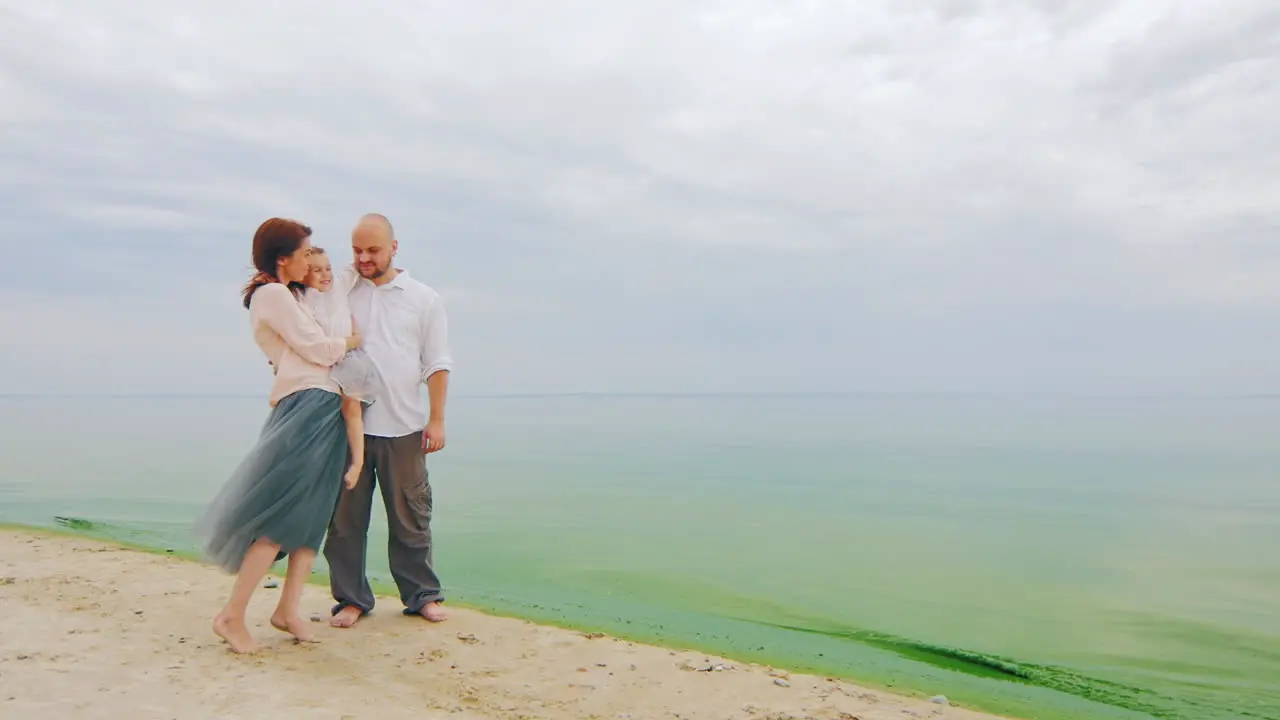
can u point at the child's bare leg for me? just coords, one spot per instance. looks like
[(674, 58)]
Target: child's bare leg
[(353, 414), (229, 624), (286, 617)]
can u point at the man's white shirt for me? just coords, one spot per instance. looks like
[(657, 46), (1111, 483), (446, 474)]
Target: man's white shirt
[(406, 334)]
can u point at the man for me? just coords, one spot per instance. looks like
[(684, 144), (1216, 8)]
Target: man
[(406, 335)]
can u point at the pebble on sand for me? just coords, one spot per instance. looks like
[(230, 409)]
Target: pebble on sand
[(781, 683), (939, 700)]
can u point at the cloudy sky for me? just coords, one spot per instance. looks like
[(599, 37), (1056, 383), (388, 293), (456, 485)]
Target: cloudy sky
[(675, 195)]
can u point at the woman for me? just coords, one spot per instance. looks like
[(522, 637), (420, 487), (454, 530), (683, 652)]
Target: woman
[(279, 500)]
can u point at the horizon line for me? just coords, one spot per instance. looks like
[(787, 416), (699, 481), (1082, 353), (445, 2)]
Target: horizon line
[(1256, 395)]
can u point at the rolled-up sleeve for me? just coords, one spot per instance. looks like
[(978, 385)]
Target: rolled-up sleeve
[(281, 311), (435, 356)]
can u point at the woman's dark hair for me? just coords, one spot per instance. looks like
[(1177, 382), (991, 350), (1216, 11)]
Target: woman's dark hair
[(275, 239)]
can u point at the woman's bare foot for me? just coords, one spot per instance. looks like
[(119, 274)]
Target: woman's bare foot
[(346, 617), (293, 625), (234, 632), (434, 612)]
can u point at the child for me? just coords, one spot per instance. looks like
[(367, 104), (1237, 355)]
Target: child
[(355, 373)]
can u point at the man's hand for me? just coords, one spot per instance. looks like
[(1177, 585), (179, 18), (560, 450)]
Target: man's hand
[(433, 436), (437, 390), (352, 478)]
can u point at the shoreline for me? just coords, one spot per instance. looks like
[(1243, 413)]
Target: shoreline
[(59, 587)]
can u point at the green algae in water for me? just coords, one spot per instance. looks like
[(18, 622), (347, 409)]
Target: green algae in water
[(77, 524), (729, 634), (1020, 556), (1045, 676)]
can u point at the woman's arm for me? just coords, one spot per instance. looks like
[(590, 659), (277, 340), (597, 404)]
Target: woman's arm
[(279, 309)]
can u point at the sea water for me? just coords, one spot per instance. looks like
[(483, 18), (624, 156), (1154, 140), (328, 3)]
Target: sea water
[(1044, 557)]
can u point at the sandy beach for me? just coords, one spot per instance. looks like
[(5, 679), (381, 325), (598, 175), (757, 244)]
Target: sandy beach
[(97, 631)]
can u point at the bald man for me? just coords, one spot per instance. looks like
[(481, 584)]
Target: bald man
[(406, 335)]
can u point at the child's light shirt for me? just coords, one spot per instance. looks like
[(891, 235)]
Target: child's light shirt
[(332, 310)]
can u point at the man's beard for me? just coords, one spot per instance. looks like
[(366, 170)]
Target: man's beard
[(377, 272)]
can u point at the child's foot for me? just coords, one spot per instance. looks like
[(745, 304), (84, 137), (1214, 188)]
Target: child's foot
[(293, 625), (234, 632), (352, 477)]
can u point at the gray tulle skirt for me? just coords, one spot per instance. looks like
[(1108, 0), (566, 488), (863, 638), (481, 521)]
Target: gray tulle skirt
[(286, 488), (358, 377)]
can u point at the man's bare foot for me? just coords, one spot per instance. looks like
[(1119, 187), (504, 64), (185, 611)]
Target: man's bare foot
[(434, 612), (294, 625), (346, 617), (234, 632)]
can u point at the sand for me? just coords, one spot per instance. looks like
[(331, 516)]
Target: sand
[(96, 631)]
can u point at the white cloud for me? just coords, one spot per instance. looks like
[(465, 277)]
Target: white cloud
[(126, 216), (573, 171)]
